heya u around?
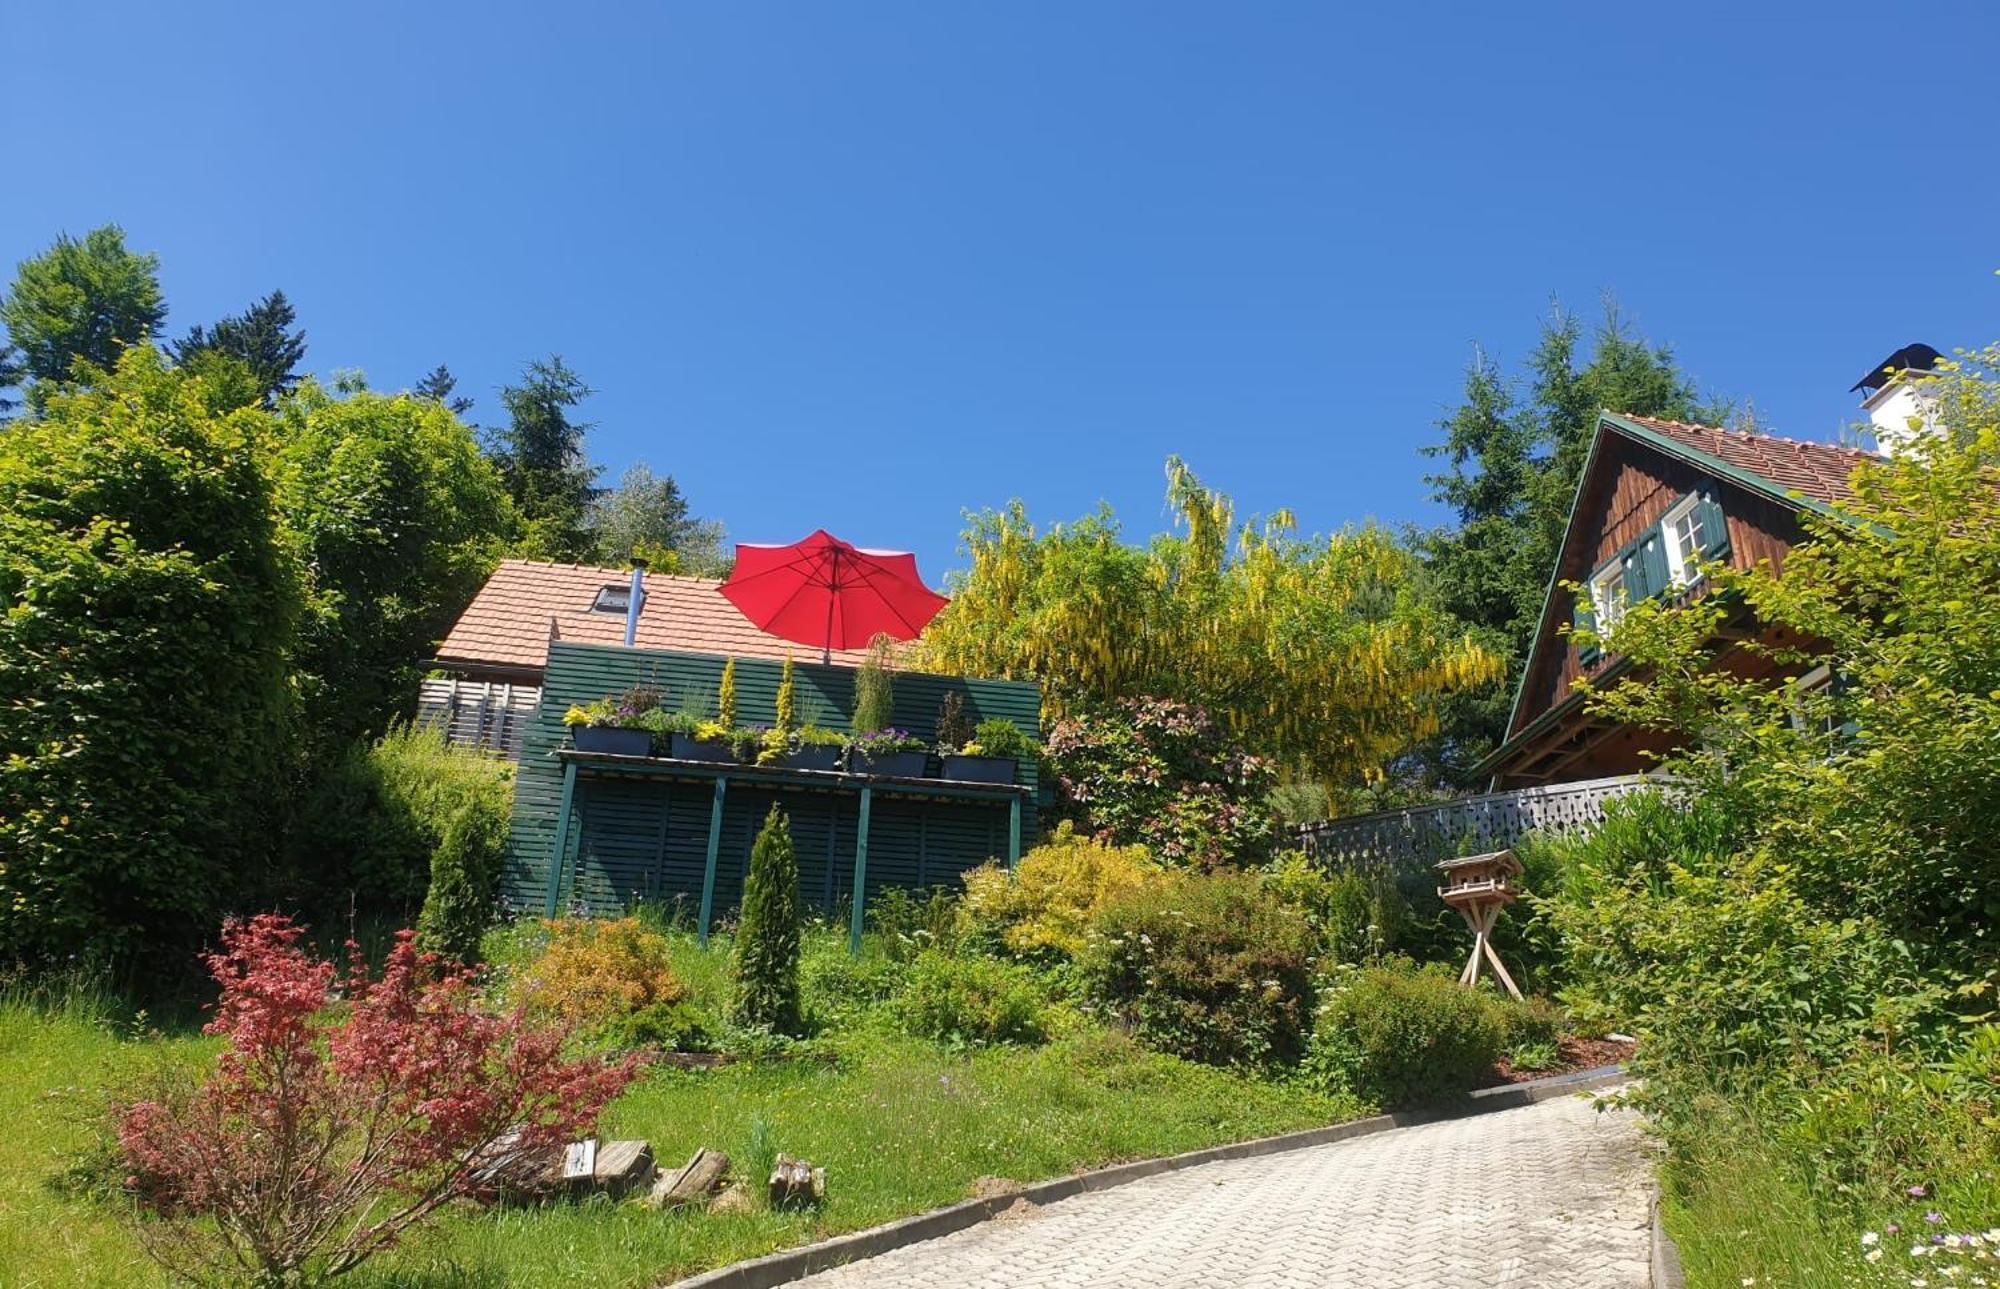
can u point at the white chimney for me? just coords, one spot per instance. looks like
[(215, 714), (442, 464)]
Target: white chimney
[(635, 600), (1895, 397)]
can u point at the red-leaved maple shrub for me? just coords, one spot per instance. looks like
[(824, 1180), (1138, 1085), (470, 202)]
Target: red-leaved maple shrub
[(344, 1110)]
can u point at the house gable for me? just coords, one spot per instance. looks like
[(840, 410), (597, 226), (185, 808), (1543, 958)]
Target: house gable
[(1639, 470)]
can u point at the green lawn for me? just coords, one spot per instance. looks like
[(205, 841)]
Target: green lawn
[(901, 1126)]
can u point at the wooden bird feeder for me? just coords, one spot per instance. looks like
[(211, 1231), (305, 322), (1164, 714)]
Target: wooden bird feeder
[(1479, 886)]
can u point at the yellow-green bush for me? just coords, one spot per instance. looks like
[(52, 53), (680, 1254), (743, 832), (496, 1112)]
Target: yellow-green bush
[(1045, 908), (592, 972)]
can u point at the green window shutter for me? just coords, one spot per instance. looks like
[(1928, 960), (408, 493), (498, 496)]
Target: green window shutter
[(1585, 619), (1714, 526), (1649, 564)]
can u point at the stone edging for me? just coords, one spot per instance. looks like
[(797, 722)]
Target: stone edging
[(788, 1265), (1666, 1259)]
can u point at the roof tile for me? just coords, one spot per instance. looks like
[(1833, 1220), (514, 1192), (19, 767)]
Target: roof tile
[(1819, 471)]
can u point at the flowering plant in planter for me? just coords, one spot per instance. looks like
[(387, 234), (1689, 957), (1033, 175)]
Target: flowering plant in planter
[(623, 725), (885, 743), (888, 751), (811, 747)]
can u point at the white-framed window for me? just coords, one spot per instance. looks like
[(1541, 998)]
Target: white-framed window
[(1682, 527), (1608, 594), (1817, 682)]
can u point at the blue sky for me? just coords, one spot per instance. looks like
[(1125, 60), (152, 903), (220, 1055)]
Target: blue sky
[(861, 265)]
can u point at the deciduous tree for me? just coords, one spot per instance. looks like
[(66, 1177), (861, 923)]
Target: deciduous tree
[(1327, 655), (147, 614), (647, 516), (82, 301)]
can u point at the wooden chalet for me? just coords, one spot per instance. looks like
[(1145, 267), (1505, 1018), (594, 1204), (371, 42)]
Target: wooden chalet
[(1655, 498)]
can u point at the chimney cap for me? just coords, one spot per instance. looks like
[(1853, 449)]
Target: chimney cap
[(639, 562), (1911, 357)]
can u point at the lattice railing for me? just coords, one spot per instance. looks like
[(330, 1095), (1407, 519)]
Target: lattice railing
[(1418, 836)]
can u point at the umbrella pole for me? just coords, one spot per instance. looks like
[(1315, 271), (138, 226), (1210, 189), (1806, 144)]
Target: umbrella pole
[(832, 593)]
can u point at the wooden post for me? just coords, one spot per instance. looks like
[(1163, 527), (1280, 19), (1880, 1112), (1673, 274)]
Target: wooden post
[(860, 871), (708, 868), (560, 850), (1013, 831)]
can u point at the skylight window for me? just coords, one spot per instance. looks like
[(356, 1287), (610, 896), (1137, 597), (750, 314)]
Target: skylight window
[(613, 599)]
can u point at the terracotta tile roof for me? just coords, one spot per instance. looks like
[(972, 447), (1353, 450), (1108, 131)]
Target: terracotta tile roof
[(1816, 470), (508, 622)]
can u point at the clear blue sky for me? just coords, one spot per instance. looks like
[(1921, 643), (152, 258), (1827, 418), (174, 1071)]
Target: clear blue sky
[(862, 264)]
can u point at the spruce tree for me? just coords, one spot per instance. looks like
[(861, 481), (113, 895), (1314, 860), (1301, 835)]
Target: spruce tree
[(1514, 450), (261, 338), (541, 457), (439, 387), (768, 935)]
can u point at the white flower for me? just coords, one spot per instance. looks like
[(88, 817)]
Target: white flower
[(1748, 1280), (1873, 1255), (1869, 1239)]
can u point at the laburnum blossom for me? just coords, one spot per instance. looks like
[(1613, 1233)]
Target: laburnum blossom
[(343, 1110)]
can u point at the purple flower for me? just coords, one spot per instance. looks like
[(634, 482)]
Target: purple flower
[(1933, 1217), (1916, 1192)]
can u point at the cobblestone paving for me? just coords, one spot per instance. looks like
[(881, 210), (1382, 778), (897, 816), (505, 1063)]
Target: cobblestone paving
[(1552, 1194)]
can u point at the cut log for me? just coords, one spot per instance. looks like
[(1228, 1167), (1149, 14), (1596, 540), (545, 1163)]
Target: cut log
[(580, 1161), (622, 1167), (694, 1183), (797, 1184)]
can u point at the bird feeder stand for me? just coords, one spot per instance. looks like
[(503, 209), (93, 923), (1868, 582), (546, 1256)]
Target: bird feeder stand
[(1479, 886)]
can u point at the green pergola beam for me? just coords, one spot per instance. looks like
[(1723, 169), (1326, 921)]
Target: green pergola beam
[(562, 840), (860, 873), (708, 866)]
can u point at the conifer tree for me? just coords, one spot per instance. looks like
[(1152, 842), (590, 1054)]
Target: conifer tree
[(82, 301), (261, 338), (768, 935)]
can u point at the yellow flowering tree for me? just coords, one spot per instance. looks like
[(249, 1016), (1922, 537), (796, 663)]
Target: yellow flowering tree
[(1327, 654)]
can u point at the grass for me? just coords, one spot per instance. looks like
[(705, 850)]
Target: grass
[(1739, 1214), (901, 1125)]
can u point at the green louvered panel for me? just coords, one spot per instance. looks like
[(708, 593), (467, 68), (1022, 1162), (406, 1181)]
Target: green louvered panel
[(623, 860)]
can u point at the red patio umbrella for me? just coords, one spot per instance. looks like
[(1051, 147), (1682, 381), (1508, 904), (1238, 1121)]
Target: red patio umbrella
[(823, 591)]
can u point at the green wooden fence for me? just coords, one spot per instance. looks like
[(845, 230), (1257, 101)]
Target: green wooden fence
[(669, 831)]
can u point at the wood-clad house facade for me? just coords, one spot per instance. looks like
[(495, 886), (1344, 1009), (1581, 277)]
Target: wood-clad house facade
[(1655, 499)]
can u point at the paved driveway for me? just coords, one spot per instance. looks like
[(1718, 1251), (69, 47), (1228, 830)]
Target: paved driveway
[(1550, 1194)]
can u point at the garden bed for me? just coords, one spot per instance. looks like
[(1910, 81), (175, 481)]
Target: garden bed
[(1576, 1054)]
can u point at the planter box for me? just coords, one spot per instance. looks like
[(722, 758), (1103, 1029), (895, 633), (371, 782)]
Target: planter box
[(898, 765), (980, 769), (614, 741), (814, 758), (686, 747)]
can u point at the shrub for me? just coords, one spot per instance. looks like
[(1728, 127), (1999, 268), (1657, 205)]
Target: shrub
[(1044, 908), (393, 810), (969, 1001), (1160, 774), (836, 986), (725, 699), (1358, 916), (911, 922), (146, 609), (875, 688), (596, 972), (767, 936), (1400, 1036), (321, 1138), (1211, 967)]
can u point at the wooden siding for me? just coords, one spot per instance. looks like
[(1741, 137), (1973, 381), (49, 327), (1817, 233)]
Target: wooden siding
[(1632, 487), (636, 840), (479, 713)]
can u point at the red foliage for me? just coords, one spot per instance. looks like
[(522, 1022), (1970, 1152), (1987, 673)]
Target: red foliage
[(344, 1111)]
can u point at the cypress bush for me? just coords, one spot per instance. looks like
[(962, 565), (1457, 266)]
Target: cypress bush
[(768, 936)]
